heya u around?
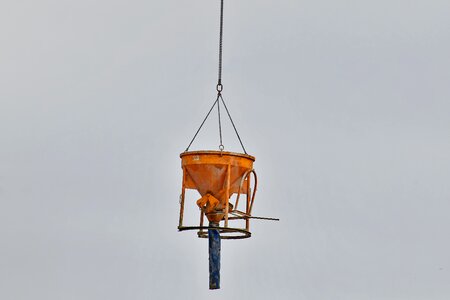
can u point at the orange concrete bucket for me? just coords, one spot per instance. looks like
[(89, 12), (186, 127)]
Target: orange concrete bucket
[(217, 176)]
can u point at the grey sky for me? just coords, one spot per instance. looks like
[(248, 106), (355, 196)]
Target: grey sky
[(345, 105)]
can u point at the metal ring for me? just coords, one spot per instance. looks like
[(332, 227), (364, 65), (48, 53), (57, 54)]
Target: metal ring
[(237, 233), (219, 87), (221, 147)]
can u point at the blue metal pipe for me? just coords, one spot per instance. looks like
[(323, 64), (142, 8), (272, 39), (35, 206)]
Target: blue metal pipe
[(214, 258)]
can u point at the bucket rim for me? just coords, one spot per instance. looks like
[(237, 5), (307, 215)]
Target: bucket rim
[(216, 152)]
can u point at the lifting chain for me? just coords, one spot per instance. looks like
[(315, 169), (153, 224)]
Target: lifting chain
[(219, 89)]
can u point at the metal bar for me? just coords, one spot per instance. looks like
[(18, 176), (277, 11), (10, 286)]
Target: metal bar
[(247, 221), (227, 194), (240, 188), (252, 217), (180, 223), (202, 216), (255, 186)]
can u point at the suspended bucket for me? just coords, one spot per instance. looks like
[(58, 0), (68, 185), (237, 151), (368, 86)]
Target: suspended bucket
[(217, 176)]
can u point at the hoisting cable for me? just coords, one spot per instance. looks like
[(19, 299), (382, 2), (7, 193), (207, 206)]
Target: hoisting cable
[(219, 86), (232, 123), (219, 82), (221, 147), (201, 125), (219, 89)]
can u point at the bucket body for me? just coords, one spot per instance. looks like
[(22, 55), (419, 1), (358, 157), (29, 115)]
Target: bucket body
[(216, 175)]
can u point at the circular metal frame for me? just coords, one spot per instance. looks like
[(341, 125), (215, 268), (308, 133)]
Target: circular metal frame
[(236, 233)]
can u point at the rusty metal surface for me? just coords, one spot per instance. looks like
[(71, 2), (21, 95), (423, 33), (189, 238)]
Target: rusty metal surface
[(216, 175)]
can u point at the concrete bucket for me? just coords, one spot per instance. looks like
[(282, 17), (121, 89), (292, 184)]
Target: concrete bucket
[(217, 176)]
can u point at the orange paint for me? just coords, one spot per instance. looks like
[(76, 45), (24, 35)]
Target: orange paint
[(217, 176)]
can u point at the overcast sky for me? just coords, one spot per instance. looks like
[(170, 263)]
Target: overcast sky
[(344, 104)]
